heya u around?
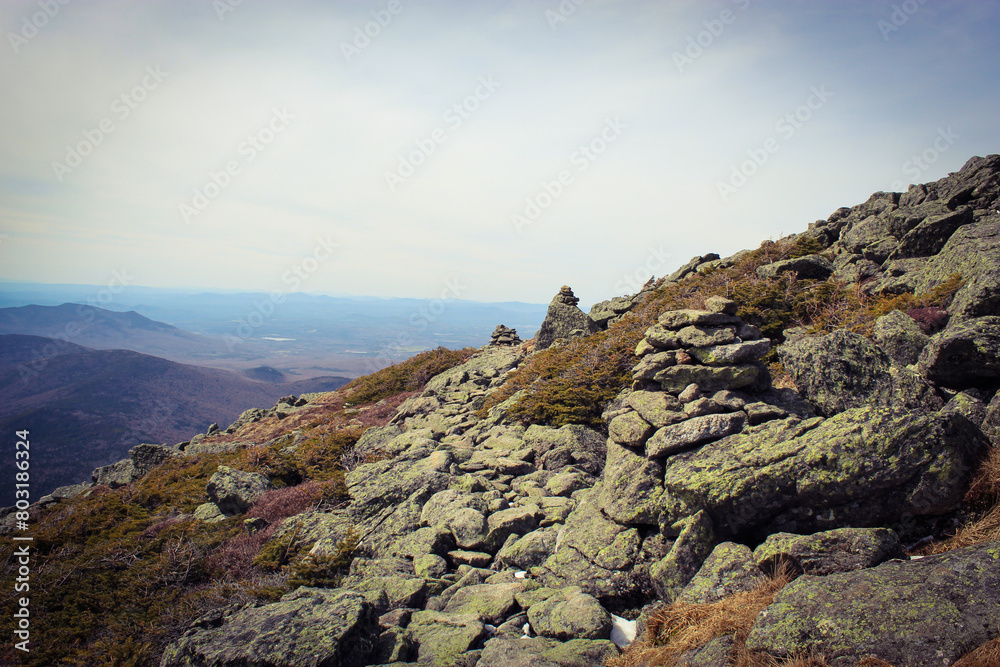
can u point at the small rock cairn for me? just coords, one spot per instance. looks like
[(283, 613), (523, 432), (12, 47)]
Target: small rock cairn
[(566, 296), (504, 336), (686, 389)]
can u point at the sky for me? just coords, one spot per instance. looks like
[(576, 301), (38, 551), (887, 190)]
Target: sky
[(491, 151)]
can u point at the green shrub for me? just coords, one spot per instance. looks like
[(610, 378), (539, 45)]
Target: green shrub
[(408, 375)]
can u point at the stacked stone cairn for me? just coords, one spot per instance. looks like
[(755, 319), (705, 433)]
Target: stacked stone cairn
[(694, 381), (566, 296), (504, 336)]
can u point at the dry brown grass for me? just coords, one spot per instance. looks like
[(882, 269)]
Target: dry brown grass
[(987, 655), (682, 626)]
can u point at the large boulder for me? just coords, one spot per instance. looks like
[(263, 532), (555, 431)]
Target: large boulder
[(234, 491), (972, 252), (921, 613), (594, 553), (570, 614), (844, 370), (311, 627), (965, 354), (900, 337), (863, 467), (542, 652), (442, 638), (564, 320), (569, 445), (839, 550), (810, 267), (728, 570)]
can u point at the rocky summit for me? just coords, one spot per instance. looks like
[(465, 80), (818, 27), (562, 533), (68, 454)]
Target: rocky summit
[(800, 440)]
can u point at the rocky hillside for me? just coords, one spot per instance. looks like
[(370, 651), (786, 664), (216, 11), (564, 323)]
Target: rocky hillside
[(789, 456)]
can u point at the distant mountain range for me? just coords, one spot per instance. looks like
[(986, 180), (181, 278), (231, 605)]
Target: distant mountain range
[(86, 408)]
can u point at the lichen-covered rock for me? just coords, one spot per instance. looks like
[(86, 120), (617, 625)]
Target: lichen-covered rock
[(629, 429), (631, 487), (442, 639), (656, 407), (683, 435), (732, 354), (900, 337), (709, 378), (542, 652), (687, 554), (563, 320), (863, 467), (991, 421), (965, 354), (810, 267), (529, 550), (491, 603), (843, 370), (594, 553), (310, 627), (678, 319), (728, 570), (570, 614), (573, 444), (233, 491), (923, 613), (839, 550)]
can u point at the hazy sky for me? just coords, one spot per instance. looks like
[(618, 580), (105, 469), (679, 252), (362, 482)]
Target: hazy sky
[(486, 150)]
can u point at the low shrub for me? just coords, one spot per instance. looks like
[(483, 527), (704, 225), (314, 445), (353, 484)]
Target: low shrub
[(405, 376)]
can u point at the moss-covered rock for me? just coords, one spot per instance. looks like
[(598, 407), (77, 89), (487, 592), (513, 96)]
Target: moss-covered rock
[(832, 551), (863, 467), (542, 652), (728, 570), (443, 638), (921, 613), (309, 627), (570, 614)]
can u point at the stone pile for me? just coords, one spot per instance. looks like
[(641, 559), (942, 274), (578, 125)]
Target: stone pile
[(693, 362), (564, 319), (504, 336)]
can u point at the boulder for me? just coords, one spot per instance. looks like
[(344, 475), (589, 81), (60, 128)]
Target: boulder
[(991, 422), (728, 570), (923, 613), (656, 407), (442, 639), (732, 354), (900, 337), (631, 487), (709, 378), (563, 320), (594, 553), (678, 437), (234, 491), (542, 652), (309, 627), (629, 429), (691, 267), (490, 603), (839, 550), (844, 370), (810, 267), (863, 467), (932, 233), (694, 543), (528, 551), (570, 614), (965, 354), (572, 444)]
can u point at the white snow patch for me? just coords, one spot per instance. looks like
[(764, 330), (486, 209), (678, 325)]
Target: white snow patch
[(622, 631), (520, 575)]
